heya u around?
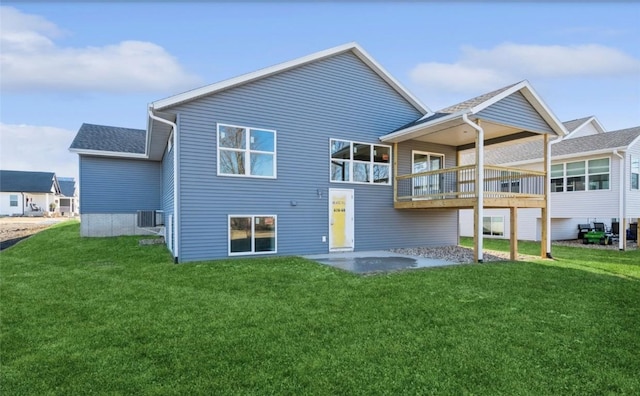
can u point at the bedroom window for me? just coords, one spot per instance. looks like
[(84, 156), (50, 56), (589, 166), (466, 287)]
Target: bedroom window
[(13, 200), (244, 151), (599, 174), (575, 176), (252, 234), (635, 173), (493, 225), (557, 178), (353, 162)]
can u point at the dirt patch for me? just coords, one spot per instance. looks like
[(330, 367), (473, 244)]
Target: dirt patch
[(15, 229)]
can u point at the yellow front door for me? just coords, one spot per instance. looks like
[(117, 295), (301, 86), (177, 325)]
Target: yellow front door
[(341, 220)]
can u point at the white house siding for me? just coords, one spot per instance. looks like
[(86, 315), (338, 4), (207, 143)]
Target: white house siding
[(633, 196), (586, 130), (5, 205), (528, 223), (598, 205)]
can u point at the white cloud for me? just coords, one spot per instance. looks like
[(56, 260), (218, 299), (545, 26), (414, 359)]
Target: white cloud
[(37, 148), (482, 69), (31, 60)]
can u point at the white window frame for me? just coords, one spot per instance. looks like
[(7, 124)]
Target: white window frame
[(253, 235), (12, 200), (491, 234), (634, 171), (608, 172), (426, 183), (247, 151), (371, 163), (586, 175)]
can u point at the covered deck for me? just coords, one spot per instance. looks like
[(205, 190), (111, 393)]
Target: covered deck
[(506, 116)]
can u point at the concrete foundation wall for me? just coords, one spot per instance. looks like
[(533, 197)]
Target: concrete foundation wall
[(109, 224)]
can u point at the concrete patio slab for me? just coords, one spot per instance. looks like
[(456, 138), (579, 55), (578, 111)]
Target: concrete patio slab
[(376, 261)]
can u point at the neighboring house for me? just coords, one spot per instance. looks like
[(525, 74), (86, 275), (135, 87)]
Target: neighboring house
[(69, 198), (594, 178), (324, 153), (24, 193)]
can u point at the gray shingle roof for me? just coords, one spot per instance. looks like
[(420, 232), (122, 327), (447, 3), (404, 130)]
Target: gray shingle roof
[(23, 181), (467, 104), (533, 150), (108, 138), (67, 186), (573, 124)]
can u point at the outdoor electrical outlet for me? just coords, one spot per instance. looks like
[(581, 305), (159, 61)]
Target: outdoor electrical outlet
[(324, 238)]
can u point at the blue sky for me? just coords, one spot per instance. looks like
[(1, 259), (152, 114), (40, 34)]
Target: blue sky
[(66, 63)]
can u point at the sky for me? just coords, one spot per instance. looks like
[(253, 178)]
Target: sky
[(66, 63)]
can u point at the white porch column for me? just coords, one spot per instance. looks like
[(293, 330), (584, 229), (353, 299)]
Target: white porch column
[(478, 210)]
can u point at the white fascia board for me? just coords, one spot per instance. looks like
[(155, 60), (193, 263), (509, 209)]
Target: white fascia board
[(102, 153), (397, 136), (245, 78)]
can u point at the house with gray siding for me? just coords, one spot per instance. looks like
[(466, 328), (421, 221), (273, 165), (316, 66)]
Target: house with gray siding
[(594, 178), (325, 153)]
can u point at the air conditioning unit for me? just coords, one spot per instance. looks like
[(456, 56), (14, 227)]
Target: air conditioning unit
[(146, 218)]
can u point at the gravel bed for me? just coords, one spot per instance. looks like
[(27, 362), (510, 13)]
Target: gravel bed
[(459, 254), (455, 254)]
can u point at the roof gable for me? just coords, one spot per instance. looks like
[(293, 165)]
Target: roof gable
[(67, 186), (544, 121), (257, 75), (24, 181), (583, 127)]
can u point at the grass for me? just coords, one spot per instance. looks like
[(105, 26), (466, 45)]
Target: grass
[(106, 316)]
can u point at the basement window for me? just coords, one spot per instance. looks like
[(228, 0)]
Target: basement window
[(252, 234)]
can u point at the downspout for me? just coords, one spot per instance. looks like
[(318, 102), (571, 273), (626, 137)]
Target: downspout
[(548, 197), (479, 182), (176, 178), (621, 200), (23, 204)]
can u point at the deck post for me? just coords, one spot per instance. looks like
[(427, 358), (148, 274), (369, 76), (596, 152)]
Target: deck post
[(545, 240), (513, 233), (395, 172)]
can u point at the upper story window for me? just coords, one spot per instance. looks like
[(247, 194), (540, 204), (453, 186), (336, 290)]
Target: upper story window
[(355, 162), (244, 151), (635, 173), (581, 175)]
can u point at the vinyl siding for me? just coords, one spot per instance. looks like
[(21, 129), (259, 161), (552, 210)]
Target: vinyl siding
[(586, 130), (633, 196), (167, 195), (111, 185), (516, 110), (528, 223), (600, 204), (338, 97)]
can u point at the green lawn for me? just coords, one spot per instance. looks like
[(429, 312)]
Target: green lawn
[(106, 316)]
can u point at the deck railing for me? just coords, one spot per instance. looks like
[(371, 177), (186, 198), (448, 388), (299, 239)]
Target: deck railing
[(460, 182)]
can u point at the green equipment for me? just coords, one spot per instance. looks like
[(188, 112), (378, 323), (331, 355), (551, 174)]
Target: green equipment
[(598, 235)]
